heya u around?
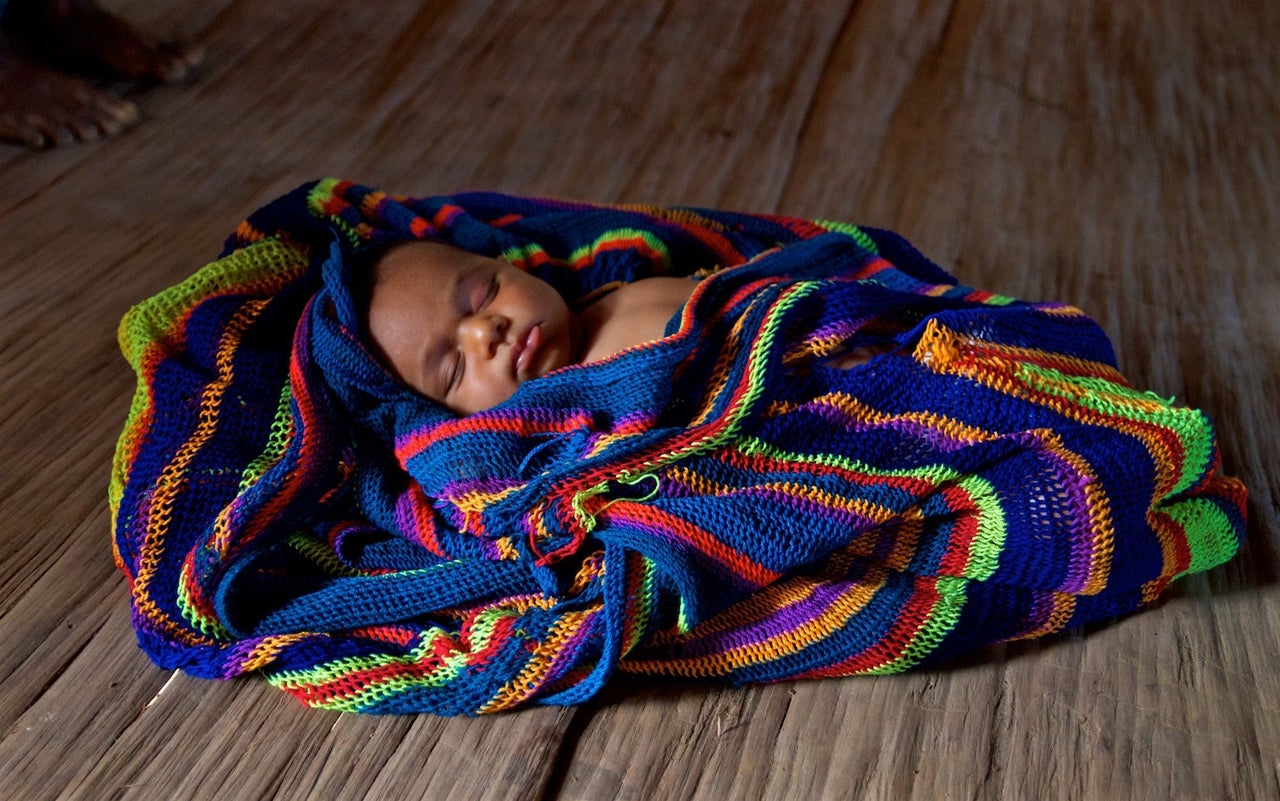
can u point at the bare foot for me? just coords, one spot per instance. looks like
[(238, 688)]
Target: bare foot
[(41, 107), (80, 34)]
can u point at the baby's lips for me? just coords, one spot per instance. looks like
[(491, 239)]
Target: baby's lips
[(526, 349)]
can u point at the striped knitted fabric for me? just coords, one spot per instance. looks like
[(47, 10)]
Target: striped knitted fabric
[(719, 504)]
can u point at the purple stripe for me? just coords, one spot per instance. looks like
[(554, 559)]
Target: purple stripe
[(761, 630), (1071, 484), (566, 655)]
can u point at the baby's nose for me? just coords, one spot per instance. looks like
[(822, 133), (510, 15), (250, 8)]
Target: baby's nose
[(482, 333)]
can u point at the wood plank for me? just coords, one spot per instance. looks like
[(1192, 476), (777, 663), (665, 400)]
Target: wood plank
[(242, 739)]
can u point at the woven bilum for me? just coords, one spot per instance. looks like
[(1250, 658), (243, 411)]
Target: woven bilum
[(721, 503)]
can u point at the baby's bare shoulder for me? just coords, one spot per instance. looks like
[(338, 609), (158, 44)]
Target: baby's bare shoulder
[(631, 314), (664, 290)]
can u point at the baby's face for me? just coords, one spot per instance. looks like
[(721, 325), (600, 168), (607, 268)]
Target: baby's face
[(466, 330)]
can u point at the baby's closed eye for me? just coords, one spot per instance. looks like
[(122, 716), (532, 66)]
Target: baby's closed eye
[(453, 372), (483, 291)]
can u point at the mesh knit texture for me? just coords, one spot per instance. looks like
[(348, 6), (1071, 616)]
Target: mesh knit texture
[(719, 504)]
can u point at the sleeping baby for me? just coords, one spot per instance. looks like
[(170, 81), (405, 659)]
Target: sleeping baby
[(461, 454), (466, 330)]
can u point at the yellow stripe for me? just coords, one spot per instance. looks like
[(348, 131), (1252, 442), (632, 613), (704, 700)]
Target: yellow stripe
[(172, 478), (835, 617), (529, 681)]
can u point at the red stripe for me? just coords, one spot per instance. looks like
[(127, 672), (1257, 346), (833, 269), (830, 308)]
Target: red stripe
[(419, 441), (959, 549), (703, 542), (349, 685)]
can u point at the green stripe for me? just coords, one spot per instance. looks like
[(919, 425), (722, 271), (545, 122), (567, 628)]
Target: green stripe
[(208, 625), (853, 231), (587, 251), (988, 543), (372, 692), (941, 620), (1208, 531), (932, 473), (148, 330), (1109, 398), (277, 441)]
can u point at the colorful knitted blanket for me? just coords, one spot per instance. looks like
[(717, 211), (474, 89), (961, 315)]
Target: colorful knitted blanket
[(720, 504)]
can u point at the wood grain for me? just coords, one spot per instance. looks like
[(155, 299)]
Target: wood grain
[(1121, 156)]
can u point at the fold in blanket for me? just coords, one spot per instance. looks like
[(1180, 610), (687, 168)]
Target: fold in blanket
[(721, 503)]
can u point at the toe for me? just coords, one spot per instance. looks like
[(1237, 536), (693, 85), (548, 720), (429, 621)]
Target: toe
[(176, 60), (86, 126), (115, 119), (107, 125), (123, 112), (17, 129), (54, 130)]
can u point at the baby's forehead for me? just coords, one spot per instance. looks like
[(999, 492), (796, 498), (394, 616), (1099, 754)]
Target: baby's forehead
[(424, 255), (406, 279)]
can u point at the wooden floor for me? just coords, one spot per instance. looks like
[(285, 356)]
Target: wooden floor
[(1122, 156)]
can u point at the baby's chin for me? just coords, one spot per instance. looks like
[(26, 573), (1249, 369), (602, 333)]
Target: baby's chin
[(550, 363), (560, 351)]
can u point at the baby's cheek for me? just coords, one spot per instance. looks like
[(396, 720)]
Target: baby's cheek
[(494, 393)]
